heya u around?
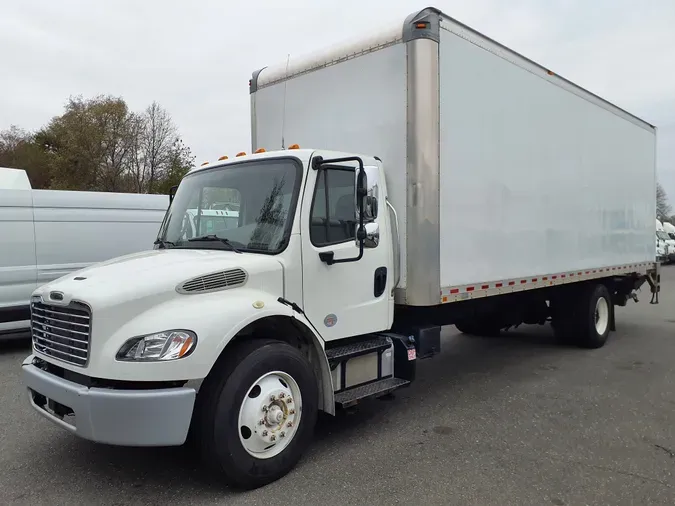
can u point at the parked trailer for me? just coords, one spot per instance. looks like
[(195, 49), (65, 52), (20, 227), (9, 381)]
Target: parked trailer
[(350, 254)]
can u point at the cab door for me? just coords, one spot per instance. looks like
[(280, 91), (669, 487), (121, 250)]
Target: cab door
[(352, 295)]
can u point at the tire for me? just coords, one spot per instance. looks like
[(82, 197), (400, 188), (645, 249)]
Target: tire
[(235, 393), (585, 321)]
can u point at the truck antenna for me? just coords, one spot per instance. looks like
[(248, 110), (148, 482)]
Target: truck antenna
[(283, 114)]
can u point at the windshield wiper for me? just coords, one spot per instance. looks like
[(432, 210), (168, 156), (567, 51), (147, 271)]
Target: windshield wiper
[(213, 237), (163, 244)]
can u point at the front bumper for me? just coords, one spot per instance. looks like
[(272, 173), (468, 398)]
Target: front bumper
[(152, 417)]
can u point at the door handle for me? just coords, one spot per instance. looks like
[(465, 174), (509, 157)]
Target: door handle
[(380, 284)]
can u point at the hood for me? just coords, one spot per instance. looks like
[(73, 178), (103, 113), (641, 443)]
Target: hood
[(157, 273)]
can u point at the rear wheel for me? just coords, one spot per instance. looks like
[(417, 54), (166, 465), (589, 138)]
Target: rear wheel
[(585, 319), (258, 414)]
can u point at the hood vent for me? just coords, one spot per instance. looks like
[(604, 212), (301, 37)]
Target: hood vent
[(213, 282)]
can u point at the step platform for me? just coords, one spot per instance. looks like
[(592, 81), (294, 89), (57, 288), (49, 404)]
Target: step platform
[(370, 366), (352, 396)]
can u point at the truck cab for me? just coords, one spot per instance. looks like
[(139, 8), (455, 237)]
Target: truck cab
[(305, 219), (120, 349)]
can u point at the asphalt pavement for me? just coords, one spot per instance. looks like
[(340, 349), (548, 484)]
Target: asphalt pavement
[(514, 420)]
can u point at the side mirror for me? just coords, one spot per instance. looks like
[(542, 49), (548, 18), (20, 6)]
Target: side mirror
[(367, 191), (372, 235), (172, 193)]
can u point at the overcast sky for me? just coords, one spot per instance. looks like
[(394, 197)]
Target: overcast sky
[(195, 58)]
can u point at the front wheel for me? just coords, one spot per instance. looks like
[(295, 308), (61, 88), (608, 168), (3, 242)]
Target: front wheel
[(258, 414)]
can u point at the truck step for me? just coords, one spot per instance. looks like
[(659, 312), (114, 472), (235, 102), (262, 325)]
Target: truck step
[(359, 348), (352, 396)]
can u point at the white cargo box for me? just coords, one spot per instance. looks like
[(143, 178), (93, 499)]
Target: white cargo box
[(505, 176)]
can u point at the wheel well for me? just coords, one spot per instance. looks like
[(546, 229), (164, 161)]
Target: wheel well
[(296, 334)]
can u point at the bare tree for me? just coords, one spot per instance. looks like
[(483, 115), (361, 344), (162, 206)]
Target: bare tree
[(157, 139), (138, 170), (662, 207)]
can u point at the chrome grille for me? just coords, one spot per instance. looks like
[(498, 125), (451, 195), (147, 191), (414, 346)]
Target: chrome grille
[(214, 281), (61, 332)]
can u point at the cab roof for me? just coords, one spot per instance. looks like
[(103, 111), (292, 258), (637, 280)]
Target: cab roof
[(302, 154)]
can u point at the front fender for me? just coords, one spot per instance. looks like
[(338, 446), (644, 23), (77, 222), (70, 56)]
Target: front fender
[(272, 307), (216, 318)]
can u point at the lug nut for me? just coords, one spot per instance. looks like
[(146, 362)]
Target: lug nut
[(291, 412), (289, 424), (273, 437), (289, 400), (273, 398), (264, 433), (265, 409), (282, 434), (261, 422), (282, 395)]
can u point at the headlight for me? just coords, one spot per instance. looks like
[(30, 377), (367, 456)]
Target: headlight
[(167, 345)]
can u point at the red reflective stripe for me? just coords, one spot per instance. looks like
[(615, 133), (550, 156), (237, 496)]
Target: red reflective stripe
[(499, 285), (469, 288), (511, 283), (454, 290), (523, 281), (485, 287)]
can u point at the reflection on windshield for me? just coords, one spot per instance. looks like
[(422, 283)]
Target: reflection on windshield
[(251, 204)]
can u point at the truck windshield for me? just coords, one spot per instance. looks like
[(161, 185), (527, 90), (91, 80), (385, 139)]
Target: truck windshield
[(263, 192)]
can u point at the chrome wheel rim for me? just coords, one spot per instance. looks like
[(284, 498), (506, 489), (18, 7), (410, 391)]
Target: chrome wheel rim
[(269, 415), (601, 315)]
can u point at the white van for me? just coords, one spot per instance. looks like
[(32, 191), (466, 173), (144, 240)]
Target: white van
[(45, 234)]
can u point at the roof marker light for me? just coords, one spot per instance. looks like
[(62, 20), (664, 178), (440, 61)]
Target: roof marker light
[(205, 163), (293, 146), (224, 157), (241, 153), (260, 150)]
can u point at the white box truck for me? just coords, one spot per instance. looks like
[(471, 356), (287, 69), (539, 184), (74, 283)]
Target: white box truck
[(352, 252)]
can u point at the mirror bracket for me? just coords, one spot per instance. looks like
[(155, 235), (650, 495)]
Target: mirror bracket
[(328, 256), (172, 193)]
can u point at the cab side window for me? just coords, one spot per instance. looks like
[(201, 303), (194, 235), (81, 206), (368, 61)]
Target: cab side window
[(333, 213)]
